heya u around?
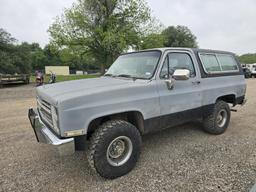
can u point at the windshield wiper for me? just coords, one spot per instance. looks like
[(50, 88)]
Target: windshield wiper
[(129, 76), (124, 75), (108, 74)]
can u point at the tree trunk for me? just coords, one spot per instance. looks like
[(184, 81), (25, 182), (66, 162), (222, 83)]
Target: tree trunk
[(107, 62), (102, 68)]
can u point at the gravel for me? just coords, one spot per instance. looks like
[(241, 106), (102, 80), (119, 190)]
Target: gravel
[(183, 158)]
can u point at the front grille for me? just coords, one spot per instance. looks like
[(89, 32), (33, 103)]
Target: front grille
[(45, 112)]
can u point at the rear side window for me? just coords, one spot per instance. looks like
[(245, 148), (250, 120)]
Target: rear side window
[(210, 63), (215, 63), (227, 62)]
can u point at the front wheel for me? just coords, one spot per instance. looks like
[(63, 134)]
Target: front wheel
[(218, 121), (114, 148)]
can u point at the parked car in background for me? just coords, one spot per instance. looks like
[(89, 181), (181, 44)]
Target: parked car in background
[(247, 72), (252, 68), (141, 92)]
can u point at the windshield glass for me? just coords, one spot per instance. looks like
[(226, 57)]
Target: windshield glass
[(137, 65)]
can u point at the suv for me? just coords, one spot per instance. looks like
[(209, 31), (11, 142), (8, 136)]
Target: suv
[(140, 93)]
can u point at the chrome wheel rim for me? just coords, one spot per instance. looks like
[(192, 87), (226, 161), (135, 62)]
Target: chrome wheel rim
[(222, 118), (119, 151)]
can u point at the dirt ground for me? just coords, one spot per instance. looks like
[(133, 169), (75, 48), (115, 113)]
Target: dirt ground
[(183, 158)]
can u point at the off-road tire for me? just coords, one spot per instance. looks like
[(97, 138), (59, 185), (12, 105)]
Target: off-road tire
[(210, 122), (101, 139)]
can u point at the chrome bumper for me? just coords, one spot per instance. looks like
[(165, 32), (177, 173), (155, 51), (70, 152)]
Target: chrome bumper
[(45, 135)]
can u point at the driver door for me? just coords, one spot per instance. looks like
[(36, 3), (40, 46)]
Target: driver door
[(183, 102)]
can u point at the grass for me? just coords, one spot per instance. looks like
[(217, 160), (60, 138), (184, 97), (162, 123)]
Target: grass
[(61, 78)]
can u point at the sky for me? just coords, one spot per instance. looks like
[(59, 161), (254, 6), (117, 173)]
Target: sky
[(218, 24)]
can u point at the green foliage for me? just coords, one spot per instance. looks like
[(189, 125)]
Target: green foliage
[(248, 58), (101, 28), (37, 56), (179, 36), (5, 39), (13, 58), (172, 36), (152, 41)]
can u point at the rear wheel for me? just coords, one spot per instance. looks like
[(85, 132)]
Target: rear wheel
[(114, 148), (218, 121)]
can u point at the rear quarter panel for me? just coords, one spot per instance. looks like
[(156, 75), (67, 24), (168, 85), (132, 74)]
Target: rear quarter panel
[(215, 87)]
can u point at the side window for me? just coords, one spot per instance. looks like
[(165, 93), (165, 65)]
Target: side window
[(210, 63), (218, 63), (227, 62), (180, 61), (177, 61), (164, 71)]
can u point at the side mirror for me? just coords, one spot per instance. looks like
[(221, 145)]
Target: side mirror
[(181, 74)]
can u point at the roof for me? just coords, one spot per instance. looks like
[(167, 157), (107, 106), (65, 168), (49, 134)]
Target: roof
[(195, 50)]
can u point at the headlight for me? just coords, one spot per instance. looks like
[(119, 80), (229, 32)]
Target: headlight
[(55, 122)]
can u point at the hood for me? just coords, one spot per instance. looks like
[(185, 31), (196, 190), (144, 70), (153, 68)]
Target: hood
[(51, 91)]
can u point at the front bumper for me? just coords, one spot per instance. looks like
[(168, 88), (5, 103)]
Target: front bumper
[(45, 135)]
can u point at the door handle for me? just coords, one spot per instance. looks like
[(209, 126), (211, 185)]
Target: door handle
[(196, 82)]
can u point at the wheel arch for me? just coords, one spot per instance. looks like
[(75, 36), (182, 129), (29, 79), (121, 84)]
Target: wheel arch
[(229, 98), (134, 117)]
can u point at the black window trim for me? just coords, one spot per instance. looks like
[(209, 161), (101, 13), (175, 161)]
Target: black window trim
[(175, 51), (216, 56)]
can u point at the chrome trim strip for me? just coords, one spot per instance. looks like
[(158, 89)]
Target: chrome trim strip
[(46, 119), (45, 106), (45, 112), (53, 139)]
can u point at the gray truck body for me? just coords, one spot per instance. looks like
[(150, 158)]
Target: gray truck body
[(81, 104)]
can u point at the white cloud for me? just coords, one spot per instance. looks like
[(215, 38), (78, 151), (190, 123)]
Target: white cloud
[(28, 20), (218, 24)]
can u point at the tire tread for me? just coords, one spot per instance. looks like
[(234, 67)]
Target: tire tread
[(101, 132)]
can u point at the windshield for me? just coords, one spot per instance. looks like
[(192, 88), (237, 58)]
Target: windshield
[(135, 65)]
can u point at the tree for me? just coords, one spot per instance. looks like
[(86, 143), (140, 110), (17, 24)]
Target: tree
[(102, 28), (37, 56), (179, 36), (152, 40), (248, 58), (22, 58), (5, 38), (13, 58)]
